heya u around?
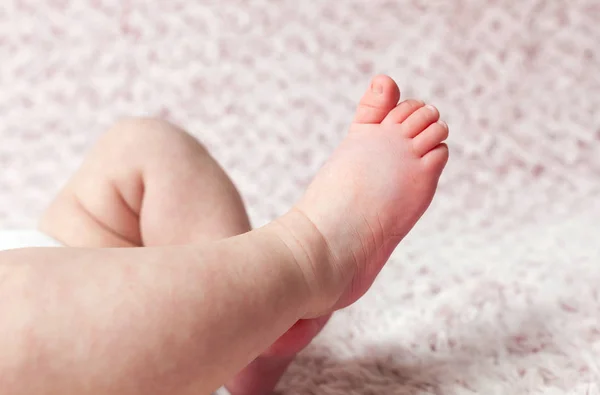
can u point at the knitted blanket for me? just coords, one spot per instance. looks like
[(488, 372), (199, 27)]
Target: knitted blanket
[(496, 289)]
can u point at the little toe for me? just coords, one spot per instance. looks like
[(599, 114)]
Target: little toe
[(381, 97), (402, 111), (435, 160), (420, 120), (430, 138)]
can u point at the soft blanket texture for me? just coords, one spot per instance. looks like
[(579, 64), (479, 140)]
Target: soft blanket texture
[(494, 292)]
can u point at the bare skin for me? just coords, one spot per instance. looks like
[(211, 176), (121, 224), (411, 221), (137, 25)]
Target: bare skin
[(324, 253), (154, 320), (117, 199)]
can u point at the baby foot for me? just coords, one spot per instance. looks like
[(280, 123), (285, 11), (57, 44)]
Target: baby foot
[(262, 375), (363, 202), (376, 186)]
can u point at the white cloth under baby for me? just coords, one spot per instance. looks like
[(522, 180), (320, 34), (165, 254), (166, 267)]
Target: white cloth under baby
[(11, 239)]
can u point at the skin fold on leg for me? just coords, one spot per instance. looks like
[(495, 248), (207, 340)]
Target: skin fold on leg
[(388, 165), (149, 183)]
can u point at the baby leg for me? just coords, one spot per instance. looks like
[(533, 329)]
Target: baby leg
[(148, 183)]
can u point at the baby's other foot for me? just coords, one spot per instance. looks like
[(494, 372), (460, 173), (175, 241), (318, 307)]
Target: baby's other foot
[(376, 186)]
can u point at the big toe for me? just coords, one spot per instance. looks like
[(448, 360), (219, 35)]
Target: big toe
[(381, 97)]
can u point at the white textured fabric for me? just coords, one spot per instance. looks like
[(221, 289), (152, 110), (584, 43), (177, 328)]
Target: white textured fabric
[(494, 292), (13, 239)]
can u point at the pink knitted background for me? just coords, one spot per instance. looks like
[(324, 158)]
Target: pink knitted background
[(495, 291)]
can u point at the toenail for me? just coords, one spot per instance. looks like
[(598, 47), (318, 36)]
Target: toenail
[(430, 107), (377, 88)]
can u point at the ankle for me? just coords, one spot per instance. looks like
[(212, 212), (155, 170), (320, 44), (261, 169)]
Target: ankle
[(313, 257)]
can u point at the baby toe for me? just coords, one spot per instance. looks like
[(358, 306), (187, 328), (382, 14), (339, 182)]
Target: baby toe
[(430, 138), (403, 111), (381, 97), (435, 160), (418, 121)]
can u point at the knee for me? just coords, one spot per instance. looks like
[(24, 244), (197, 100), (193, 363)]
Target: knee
[(150, 136)]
